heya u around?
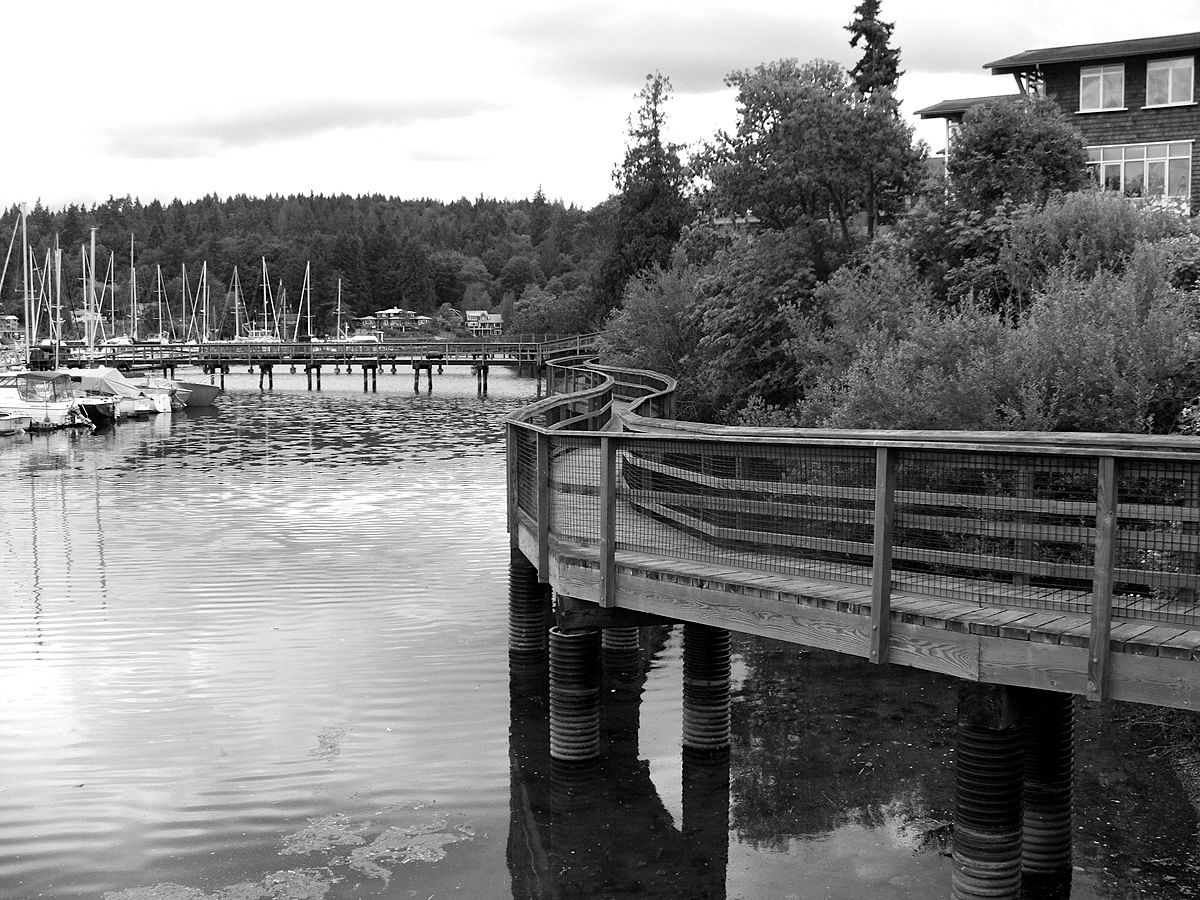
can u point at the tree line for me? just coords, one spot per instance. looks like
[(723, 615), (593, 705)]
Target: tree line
[(416, 254), (859, 292)]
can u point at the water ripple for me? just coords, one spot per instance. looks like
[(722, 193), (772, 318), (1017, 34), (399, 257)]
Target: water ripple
[(219, 626)]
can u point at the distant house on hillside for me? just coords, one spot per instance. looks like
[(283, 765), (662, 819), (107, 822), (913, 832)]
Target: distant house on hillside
[(396, 319), (481, 323), (1133, 101)]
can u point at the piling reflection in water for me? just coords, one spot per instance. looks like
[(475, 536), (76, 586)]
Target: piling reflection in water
[(600, 828)]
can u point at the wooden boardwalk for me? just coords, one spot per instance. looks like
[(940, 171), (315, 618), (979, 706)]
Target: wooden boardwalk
[(1066, 564)]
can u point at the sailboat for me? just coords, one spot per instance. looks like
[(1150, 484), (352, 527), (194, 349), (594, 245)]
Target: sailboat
[(252, 333)]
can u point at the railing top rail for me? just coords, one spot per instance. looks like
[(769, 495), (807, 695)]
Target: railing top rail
[(1029, 442), (1089, 445)]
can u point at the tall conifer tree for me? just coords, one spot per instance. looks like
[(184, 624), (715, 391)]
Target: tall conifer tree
[(879, 67), (651, 209)]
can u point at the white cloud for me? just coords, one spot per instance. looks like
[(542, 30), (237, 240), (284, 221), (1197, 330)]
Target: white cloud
[(443, 100)]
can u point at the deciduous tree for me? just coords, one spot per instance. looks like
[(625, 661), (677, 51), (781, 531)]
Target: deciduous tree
[(1024, 148), (809, 146)]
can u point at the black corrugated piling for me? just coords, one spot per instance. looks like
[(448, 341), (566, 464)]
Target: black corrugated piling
[(705, 687), (528, 605), (574, 694), (622, 649), (1049, 772), (987, 794)]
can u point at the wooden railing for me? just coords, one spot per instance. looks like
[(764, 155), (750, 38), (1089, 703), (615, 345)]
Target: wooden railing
[(496, 351), (1098, 530)]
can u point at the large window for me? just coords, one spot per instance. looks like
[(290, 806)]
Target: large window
[(1169, 81), (1144, 170), (1101, 87)]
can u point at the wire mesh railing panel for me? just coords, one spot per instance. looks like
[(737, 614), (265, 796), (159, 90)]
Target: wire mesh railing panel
[(1010, 529), (1156, 569), (991, 527), (575, 489), (799, 510), (526, 481)]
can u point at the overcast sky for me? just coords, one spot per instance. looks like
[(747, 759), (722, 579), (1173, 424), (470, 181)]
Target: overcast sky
[(446, 99)]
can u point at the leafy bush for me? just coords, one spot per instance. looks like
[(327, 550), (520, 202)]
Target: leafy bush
[(1110, 352), (654, 328)]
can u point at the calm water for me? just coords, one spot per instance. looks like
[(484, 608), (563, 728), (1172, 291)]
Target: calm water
[(260, 652)]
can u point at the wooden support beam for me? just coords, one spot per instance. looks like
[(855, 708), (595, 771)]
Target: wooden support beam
[(570, 612), (1102, 578), (881, 563)]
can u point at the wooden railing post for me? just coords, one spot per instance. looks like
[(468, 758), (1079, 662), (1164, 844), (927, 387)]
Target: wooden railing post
[(881, 563), (513, 479), (543, 506), (608, 520), (1102, 577)]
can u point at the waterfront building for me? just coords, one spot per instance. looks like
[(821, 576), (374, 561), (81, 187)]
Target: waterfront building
[(1132, 100)]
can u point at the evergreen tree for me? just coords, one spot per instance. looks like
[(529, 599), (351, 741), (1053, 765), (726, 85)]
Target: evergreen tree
[(879, 67), (651, 208)]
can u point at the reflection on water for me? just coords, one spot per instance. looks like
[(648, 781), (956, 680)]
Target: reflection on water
[(259, 651)]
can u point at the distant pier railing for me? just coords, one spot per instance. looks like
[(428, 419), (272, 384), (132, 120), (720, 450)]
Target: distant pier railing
[(523, 352), (1068, 562)]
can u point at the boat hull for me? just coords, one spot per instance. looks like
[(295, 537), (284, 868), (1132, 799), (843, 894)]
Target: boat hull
[(200, 394), (14, 424)]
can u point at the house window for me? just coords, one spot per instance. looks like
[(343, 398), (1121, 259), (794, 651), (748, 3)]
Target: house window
[(1169, 81), (1144, 170), (1101, 87)]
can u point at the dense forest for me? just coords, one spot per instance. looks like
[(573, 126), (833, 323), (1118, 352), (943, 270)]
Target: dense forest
[(385, 252)]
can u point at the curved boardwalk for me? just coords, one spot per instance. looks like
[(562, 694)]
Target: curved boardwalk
[(1062, 562)]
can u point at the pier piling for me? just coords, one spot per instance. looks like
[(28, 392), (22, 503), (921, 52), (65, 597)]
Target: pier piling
[(1047, 795), (990, 761), (574, 694), (528, 607), (706, 653)]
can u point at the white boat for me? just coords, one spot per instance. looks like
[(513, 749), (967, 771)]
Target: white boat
[(48, 398), (10, 423), (132, 399), (253, 335), (190, 393)]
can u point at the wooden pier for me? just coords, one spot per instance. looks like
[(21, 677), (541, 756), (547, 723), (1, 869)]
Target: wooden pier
[(1033, 568), (221, 356)]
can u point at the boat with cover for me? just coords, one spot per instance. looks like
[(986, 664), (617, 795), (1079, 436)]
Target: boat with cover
[(130, 399), (48, 398)]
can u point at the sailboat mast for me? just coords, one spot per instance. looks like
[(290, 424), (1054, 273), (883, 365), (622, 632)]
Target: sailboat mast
[(204, 300), (110, 281), (133, 330), (308, 293), (338, 335), (265, 288), (183, 304), (89, 325), (237, 289), (25, 283), (57, 329), (158, 289)]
